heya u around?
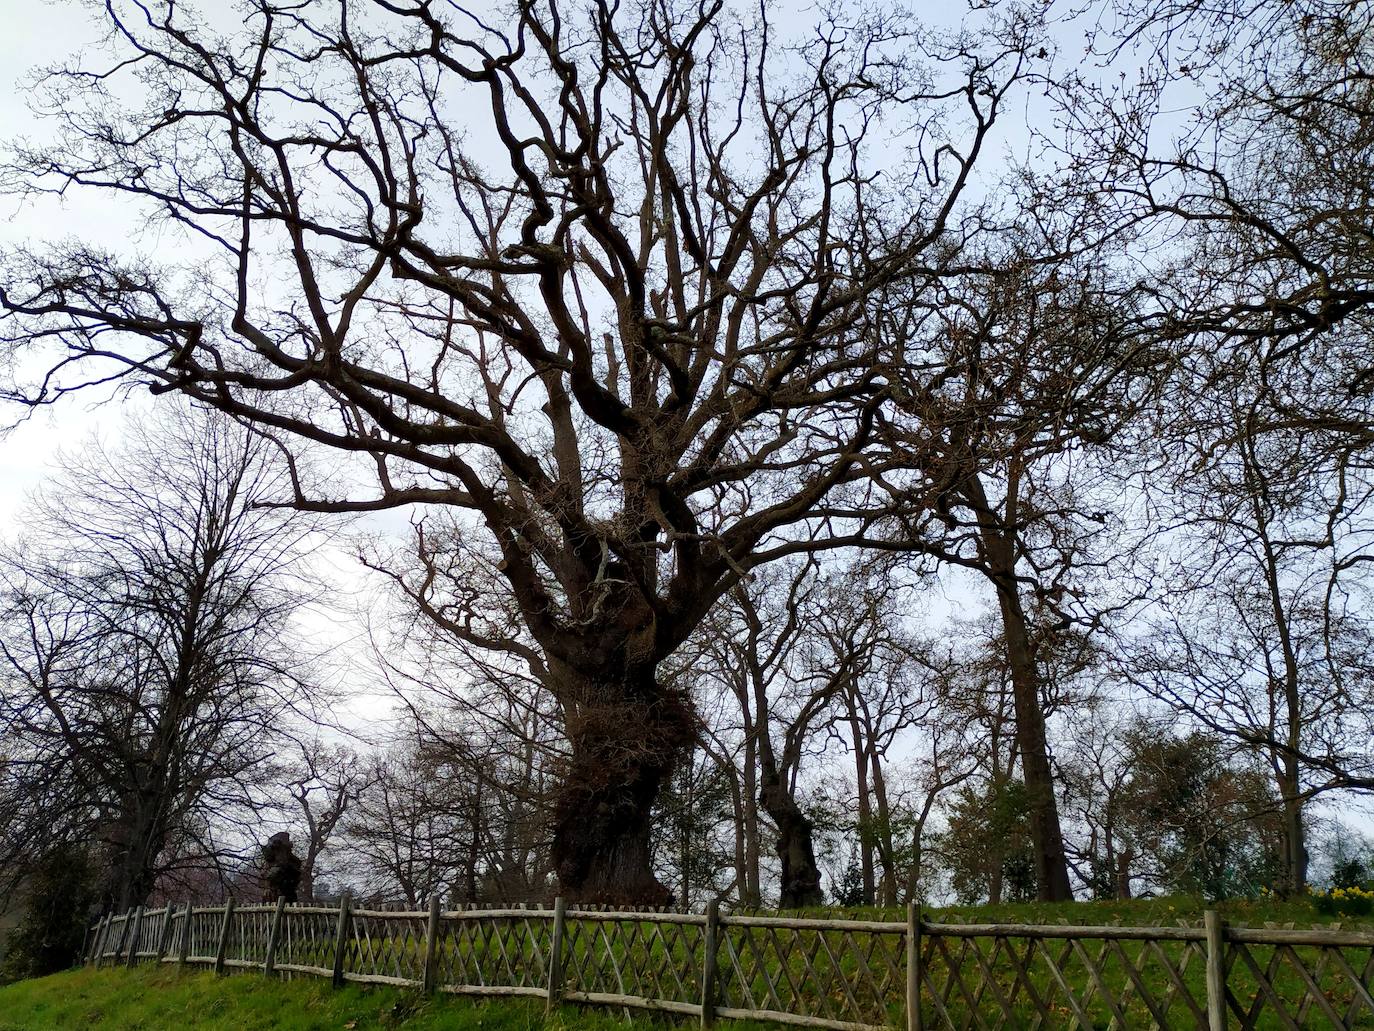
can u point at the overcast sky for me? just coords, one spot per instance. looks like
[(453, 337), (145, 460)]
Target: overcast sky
[(36, 34)]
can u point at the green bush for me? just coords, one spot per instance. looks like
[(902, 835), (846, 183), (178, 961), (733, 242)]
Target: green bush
[(59, 898)]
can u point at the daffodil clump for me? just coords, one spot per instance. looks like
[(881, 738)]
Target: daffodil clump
[(1353, 900)]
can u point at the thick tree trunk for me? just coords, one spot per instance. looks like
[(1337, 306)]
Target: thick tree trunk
[(135, 843), (801, 878), (1294, 830), (626, 734), (1123, 874)]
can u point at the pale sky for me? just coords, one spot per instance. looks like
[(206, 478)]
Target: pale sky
[(36, 34)]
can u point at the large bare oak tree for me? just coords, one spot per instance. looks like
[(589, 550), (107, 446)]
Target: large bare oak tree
[(609, 278)]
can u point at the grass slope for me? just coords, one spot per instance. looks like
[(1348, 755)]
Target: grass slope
[(1157, 912), (149, 999)]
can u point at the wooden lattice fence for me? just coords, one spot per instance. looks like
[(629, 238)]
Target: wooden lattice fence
[(849, 975)]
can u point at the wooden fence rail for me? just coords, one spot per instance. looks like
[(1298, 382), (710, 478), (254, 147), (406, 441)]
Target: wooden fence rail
[(847, 975)]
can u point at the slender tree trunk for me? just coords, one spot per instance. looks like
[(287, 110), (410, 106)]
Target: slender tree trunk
[(1290, 776), (1294, 829), (474, 847), (626, 734), (865, 808), (1051, 862), (737, 818), (685, 843), (883, 837), (913, 873), (753, 895)]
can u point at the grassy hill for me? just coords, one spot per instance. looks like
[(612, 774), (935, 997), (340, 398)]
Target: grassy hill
[(149, 999), (153, 1000), (1131, 912)]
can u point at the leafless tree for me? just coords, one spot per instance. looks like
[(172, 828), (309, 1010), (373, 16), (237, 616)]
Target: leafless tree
[(147, 644), (642, 337), (1263, 634), (323, 785), (863, 631), (1056, 358), (753, 648), (407, 831)]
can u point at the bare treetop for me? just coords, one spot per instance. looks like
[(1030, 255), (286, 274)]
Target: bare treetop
[(611, 278)]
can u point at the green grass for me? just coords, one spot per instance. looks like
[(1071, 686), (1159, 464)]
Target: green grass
[(853, 977), (1130, 913), (148, 999), (971, 958)]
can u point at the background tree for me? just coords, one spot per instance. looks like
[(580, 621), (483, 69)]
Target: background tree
[(863, 634), (788, 648), (149, 659), (60, 898), (1208, 823), (323, 786), (1052, 364), (986, 844), (1262, 633)]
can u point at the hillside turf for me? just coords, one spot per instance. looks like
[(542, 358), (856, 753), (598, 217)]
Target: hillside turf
[(152, 999)]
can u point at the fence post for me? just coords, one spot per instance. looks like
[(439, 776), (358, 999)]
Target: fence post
[(710, 947), (118, 949), (269, 961), (102, 935), (102, 929), (184, 949), (556, 955), (913, 967), (133, 939), (431, 944), (1216, 970), (223, 945), (165, 933), (340, 937)]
